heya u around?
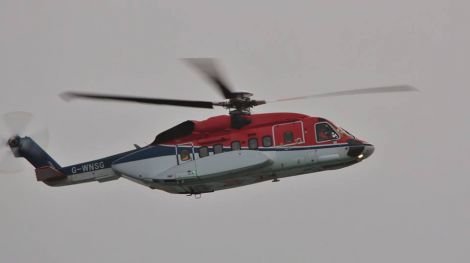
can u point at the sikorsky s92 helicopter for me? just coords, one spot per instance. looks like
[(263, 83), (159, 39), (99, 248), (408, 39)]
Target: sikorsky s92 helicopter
[(219, 153)]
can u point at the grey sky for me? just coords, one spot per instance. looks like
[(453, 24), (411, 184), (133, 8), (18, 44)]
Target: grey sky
[(407, 203)]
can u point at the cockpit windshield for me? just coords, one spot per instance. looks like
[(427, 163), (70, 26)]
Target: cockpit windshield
[(346, 132), (325, 132)]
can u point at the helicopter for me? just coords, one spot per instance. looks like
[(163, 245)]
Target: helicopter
[(221, 152)]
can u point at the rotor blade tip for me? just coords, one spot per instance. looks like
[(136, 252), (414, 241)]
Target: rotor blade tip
[(67, 96), (197, 60), (412, 88)]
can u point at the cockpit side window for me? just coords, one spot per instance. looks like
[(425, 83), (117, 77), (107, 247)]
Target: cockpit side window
[(325, 132)]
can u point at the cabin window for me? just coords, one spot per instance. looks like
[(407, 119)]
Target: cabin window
[(253, 143), (203, 152), (236, 145), (288, 137), (325, 132), (267, 141), (218, 148), (185, 155)]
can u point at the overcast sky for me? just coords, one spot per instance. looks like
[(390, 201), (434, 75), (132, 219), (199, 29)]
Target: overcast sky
[(408, 203)]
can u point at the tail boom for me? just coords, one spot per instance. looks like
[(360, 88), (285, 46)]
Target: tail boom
[(52, 174)]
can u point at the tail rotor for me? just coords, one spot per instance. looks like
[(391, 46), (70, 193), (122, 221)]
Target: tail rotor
[(13, 126)]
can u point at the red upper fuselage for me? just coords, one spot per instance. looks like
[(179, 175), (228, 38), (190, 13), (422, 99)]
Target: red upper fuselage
[(283, 128)]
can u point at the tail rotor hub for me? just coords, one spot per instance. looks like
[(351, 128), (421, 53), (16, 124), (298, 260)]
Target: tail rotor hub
[(14, 141), (13, 126)]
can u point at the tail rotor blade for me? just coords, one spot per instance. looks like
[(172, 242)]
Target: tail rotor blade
[(8, 162), (3, 143), (17, 122)]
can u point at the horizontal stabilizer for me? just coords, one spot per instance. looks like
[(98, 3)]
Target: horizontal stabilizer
[(48, 173)]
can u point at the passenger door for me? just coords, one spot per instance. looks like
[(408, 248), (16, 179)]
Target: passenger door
[(186, 163), (287, 134)]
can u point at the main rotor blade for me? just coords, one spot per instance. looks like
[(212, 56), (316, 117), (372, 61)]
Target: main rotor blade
[(209, 69), (183, 103), (385, 89)]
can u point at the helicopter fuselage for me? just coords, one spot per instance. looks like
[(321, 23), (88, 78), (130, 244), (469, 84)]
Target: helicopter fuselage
[(206, 156)]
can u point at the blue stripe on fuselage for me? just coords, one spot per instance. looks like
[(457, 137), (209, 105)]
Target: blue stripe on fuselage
[(162, 150), (147, 153), (93, 165)]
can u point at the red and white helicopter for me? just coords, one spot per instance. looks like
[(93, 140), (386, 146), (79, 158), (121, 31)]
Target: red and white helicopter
[(221, 152)]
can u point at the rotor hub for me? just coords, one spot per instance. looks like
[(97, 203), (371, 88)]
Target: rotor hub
[(240, 104), (242, 95)]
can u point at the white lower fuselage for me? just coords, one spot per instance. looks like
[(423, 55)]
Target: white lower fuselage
[(160, 167)]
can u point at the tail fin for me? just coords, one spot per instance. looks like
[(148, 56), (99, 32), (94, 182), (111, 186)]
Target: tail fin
[(27, 148), (46, 167)]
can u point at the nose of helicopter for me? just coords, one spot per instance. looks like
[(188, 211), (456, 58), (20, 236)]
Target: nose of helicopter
[(368, 151), (360, 149)]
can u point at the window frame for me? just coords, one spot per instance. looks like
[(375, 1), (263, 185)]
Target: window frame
[(303, 131)]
